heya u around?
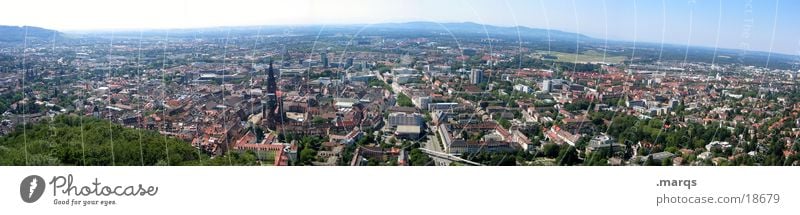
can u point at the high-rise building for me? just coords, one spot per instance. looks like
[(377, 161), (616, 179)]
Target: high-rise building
[(349, 63), (547, 85), (324, 59), (286, 56), (476, 76)]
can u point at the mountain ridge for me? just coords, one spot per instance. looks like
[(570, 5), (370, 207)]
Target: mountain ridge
[(13, 34)]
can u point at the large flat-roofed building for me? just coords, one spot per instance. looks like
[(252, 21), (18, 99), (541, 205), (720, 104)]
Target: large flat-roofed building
[(441, 106), (499, 140), (407, 78), (408, 131), (361, 76), (345, 102), (399, 119), (403, 71), (292, 72)]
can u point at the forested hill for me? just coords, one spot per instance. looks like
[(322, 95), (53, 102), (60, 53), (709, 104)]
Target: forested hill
[(63, 142), (16, 34)]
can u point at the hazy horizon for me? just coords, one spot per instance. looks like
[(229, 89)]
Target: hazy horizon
[(768, 26)]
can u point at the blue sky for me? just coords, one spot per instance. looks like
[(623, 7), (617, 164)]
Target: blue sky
[(740, 24), (678, 22)]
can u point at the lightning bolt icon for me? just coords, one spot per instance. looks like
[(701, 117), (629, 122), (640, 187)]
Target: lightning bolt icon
[(32, 187)]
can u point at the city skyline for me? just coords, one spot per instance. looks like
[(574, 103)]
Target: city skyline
[(235, 106), (395, 93), (768, 26)]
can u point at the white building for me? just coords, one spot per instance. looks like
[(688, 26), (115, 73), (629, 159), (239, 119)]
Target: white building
[(421, 101), (399, 118), (546, 86), (523, 88), (408, 131), (715, 144), (476, 76), (361, 76)]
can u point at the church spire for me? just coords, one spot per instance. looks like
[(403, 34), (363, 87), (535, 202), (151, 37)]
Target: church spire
[(271, 85)]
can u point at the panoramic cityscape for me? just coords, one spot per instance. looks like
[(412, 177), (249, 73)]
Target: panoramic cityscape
[(399, 93)]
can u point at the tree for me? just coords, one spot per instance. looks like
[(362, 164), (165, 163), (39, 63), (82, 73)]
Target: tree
[(73, 140), (666, 162), (419, 158), (550, 150), (427, 117), (649, 161), (504, 122), (404, 101), (318, 120), (493, 158), (568, 156), (307, 155)]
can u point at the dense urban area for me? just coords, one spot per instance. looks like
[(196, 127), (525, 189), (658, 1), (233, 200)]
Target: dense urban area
[(415, 94)]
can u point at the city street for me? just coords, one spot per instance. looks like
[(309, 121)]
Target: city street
[(433, 145)]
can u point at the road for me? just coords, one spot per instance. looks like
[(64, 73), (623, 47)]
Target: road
[(433, 145), (449, 157)]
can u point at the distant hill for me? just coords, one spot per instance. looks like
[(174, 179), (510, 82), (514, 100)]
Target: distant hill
[(476, 28), (531, 38), (16, 34), (454, 29)]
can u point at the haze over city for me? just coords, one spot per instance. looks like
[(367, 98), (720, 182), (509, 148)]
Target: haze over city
[(738, 24)]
